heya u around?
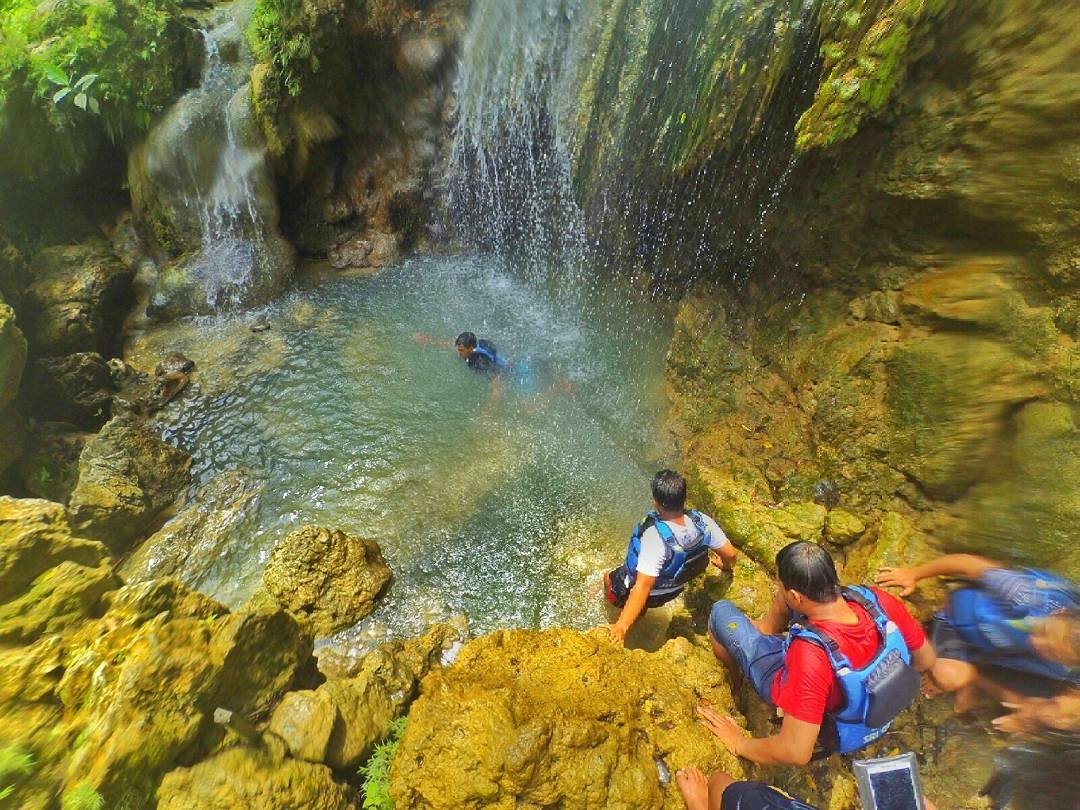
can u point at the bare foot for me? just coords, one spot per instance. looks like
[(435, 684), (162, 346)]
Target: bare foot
[(966, 698), (930, 689), (694, 788)]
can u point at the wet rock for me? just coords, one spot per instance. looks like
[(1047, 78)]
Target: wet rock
[(188, 545), (339, 723), (142, 692), (419, 55), (353, 253), (77, 388), (174, 363), (77, 301), (34, 537), (842, 527), (127, 478), (329, 579), (243, 777), (558, 718)]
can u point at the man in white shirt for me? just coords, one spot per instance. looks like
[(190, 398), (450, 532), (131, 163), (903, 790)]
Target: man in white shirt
[(667, 549)]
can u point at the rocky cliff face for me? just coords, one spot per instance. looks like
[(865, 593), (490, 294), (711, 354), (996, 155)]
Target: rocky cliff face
[(909, 337)]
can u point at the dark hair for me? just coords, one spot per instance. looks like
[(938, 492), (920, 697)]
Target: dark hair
[(807, 568), (466, 339), (669, 489)]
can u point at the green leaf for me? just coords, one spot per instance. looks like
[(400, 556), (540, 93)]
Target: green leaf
[(95, 108), (55, 75), (61, 94), (85, 82), (80, 101)]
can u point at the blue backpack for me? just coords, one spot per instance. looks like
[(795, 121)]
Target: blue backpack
[(491, 356), (1002, 630), (875, 694), (681, 564)]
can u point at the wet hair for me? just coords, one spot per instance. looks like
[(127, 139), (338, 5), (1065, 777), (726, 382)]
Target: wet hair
[(466, 339), (809, 569), (669, 490)]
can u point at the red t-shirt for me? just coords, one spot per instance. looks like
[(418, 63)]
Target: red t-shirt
[(806, 688)]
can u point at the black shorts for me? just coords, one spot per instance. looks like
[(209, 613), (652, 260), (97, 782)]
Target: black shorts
[(758, 796), (616, 591)]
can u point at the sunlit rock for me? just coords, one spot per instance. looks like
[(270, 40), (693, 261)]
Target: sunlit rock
[(246, 777), (127, 477), (559, 718), (328, 579), (338, 723)]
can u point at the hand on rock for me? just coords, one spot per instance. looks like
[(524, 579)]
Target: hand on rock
[(723, 726), (901, 578), (617, 633)]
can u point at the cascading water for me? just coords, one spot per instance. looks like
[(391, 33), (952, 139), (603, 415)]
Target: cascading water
[(202, 184), (667, 128)]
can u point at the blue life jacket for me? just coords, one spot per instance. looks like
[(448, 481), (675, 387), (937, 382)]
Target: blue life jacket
[(681, 564), (491, 356), (1002, 631), (874, 694)]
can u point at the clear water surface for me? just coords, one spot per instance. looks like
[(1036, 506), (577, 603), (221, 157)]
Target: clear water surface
[(506, 507)]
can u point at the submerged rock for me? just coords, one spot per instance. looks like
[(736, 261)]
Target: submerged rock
[(127, 477), (559, 718), (190, 543), (329, 579), (246, 777), (77, 301)]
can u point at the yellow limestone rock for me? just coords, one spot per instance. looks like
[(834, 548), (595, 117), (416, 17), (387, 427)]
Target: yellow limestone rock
[(557, 718)]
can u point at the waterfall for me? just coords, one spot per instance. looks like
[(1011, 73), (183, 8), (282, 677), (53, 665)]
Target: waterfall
[(202, 185), (652, 134)]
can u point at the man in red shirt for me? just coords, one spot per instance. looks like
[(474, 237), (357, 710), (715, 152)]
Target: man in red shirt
[(798, 675)]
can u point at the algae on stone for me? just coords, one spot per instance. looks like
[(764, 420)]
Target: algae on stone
[(535, 719)]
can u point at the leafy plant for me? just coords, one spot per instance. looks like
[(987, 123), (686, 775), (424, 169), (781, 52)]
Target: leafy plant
[(15, 763), (376, 771), (80, 88), (82, 797)]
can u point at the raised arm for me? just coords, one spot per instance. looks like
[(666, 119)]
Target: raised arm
[(964, 566)]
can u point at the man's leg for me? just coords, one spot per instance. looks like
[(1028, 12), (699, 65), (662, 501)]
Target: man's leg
[(744, 649)]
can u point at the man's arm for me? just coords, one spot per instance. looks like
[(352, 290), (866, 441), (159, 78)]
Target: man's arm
[(924, 657), (793, 745), (727, 555), (966, 566), (635, 604)]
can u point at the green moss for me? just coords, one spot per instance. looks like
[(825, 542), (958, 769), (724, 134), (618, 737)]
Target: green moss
[(83, 797), (71, 72)]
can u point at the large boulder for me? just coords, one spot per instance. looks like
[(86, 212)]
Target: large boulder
[(58, 599), (141, 693), (78, 300), (246, 777), (127, 477), (339, 723), (189, 544), (34, 537), (327, 578), (76, 388), (559, 718)]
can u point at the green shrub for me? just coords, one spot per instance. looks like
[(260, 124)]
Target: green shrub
[(74, 70), (82, 797), (376, 772), (15, 763)]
